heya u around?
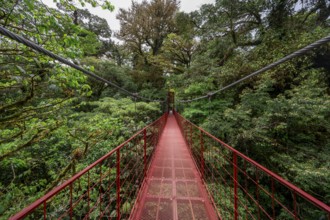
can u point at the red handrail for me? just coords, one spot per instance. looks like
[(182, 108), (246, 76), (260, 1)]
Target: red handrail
[(154, 130), (233, 169)]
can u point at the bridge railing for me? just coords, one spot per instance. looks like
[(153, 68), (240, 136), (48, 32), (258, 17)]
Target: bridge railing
[(243, 189), (105, 189)]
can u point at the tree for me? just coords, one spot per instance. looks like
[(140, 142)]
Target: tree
[(176, 54), (145, 25), (110, 71), (102, 31), (144, 28)]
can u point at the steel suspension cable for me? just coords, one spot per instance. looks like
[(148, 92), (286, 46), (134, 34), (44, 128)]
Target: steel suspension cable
[(268, 67), (42, 50)]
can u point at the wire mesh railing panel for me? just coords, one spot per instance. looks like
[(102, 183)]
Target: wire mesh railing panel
[(243, 189), (105, 189)]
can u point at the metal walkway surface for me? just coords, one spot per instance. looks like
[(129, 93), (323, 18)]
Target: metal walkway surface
[(173, 189)]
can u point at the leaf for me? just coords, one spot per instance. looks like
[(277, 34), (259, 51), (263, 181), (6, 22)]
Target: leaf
[(126, 208), (30, 4)]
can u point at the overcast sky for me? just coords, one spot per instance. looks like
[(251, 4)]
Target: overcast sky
[(186, 5)]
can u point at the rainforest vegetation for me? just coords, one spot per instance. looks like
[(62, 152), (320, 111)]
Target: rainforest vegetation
[(54, 120)]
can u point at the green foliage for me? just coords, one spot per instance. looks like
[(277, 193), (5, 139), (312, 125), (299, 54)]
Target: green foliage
[(110, 71), (224, 203), (54, 121), (88, 131), (176, 54), (144, 28)]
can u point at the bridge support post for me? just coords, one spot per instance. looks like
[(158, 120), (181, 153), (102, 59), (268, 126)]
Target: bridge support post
[(100, 188), (145, 151), (88, 194), (191, 137), (45, 210), (202, 155), (118, 183), (235, 186), (71, 209)]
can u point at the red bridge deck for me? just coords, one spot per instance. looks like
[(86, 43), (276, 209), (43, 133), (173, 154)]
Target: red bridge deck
[(173, 188)]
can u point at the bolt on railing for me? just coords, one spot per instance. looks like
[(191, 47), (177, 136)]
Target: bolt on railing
[(105, 189), (243, 189)]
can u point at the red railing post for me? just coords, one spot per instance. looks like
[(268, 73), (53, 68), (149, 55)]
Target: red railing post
[(145, 151), (45, 210), (202, 154), (191, 141), (257, 191), (273, 198), (118, 183), (184, 130), (235, 186), (295, 205), (88, 194), (71, 208), (100, 188)]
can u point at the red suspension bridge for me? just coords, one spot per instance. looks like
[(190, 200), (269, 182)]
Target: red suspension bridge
[(173, 169)]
